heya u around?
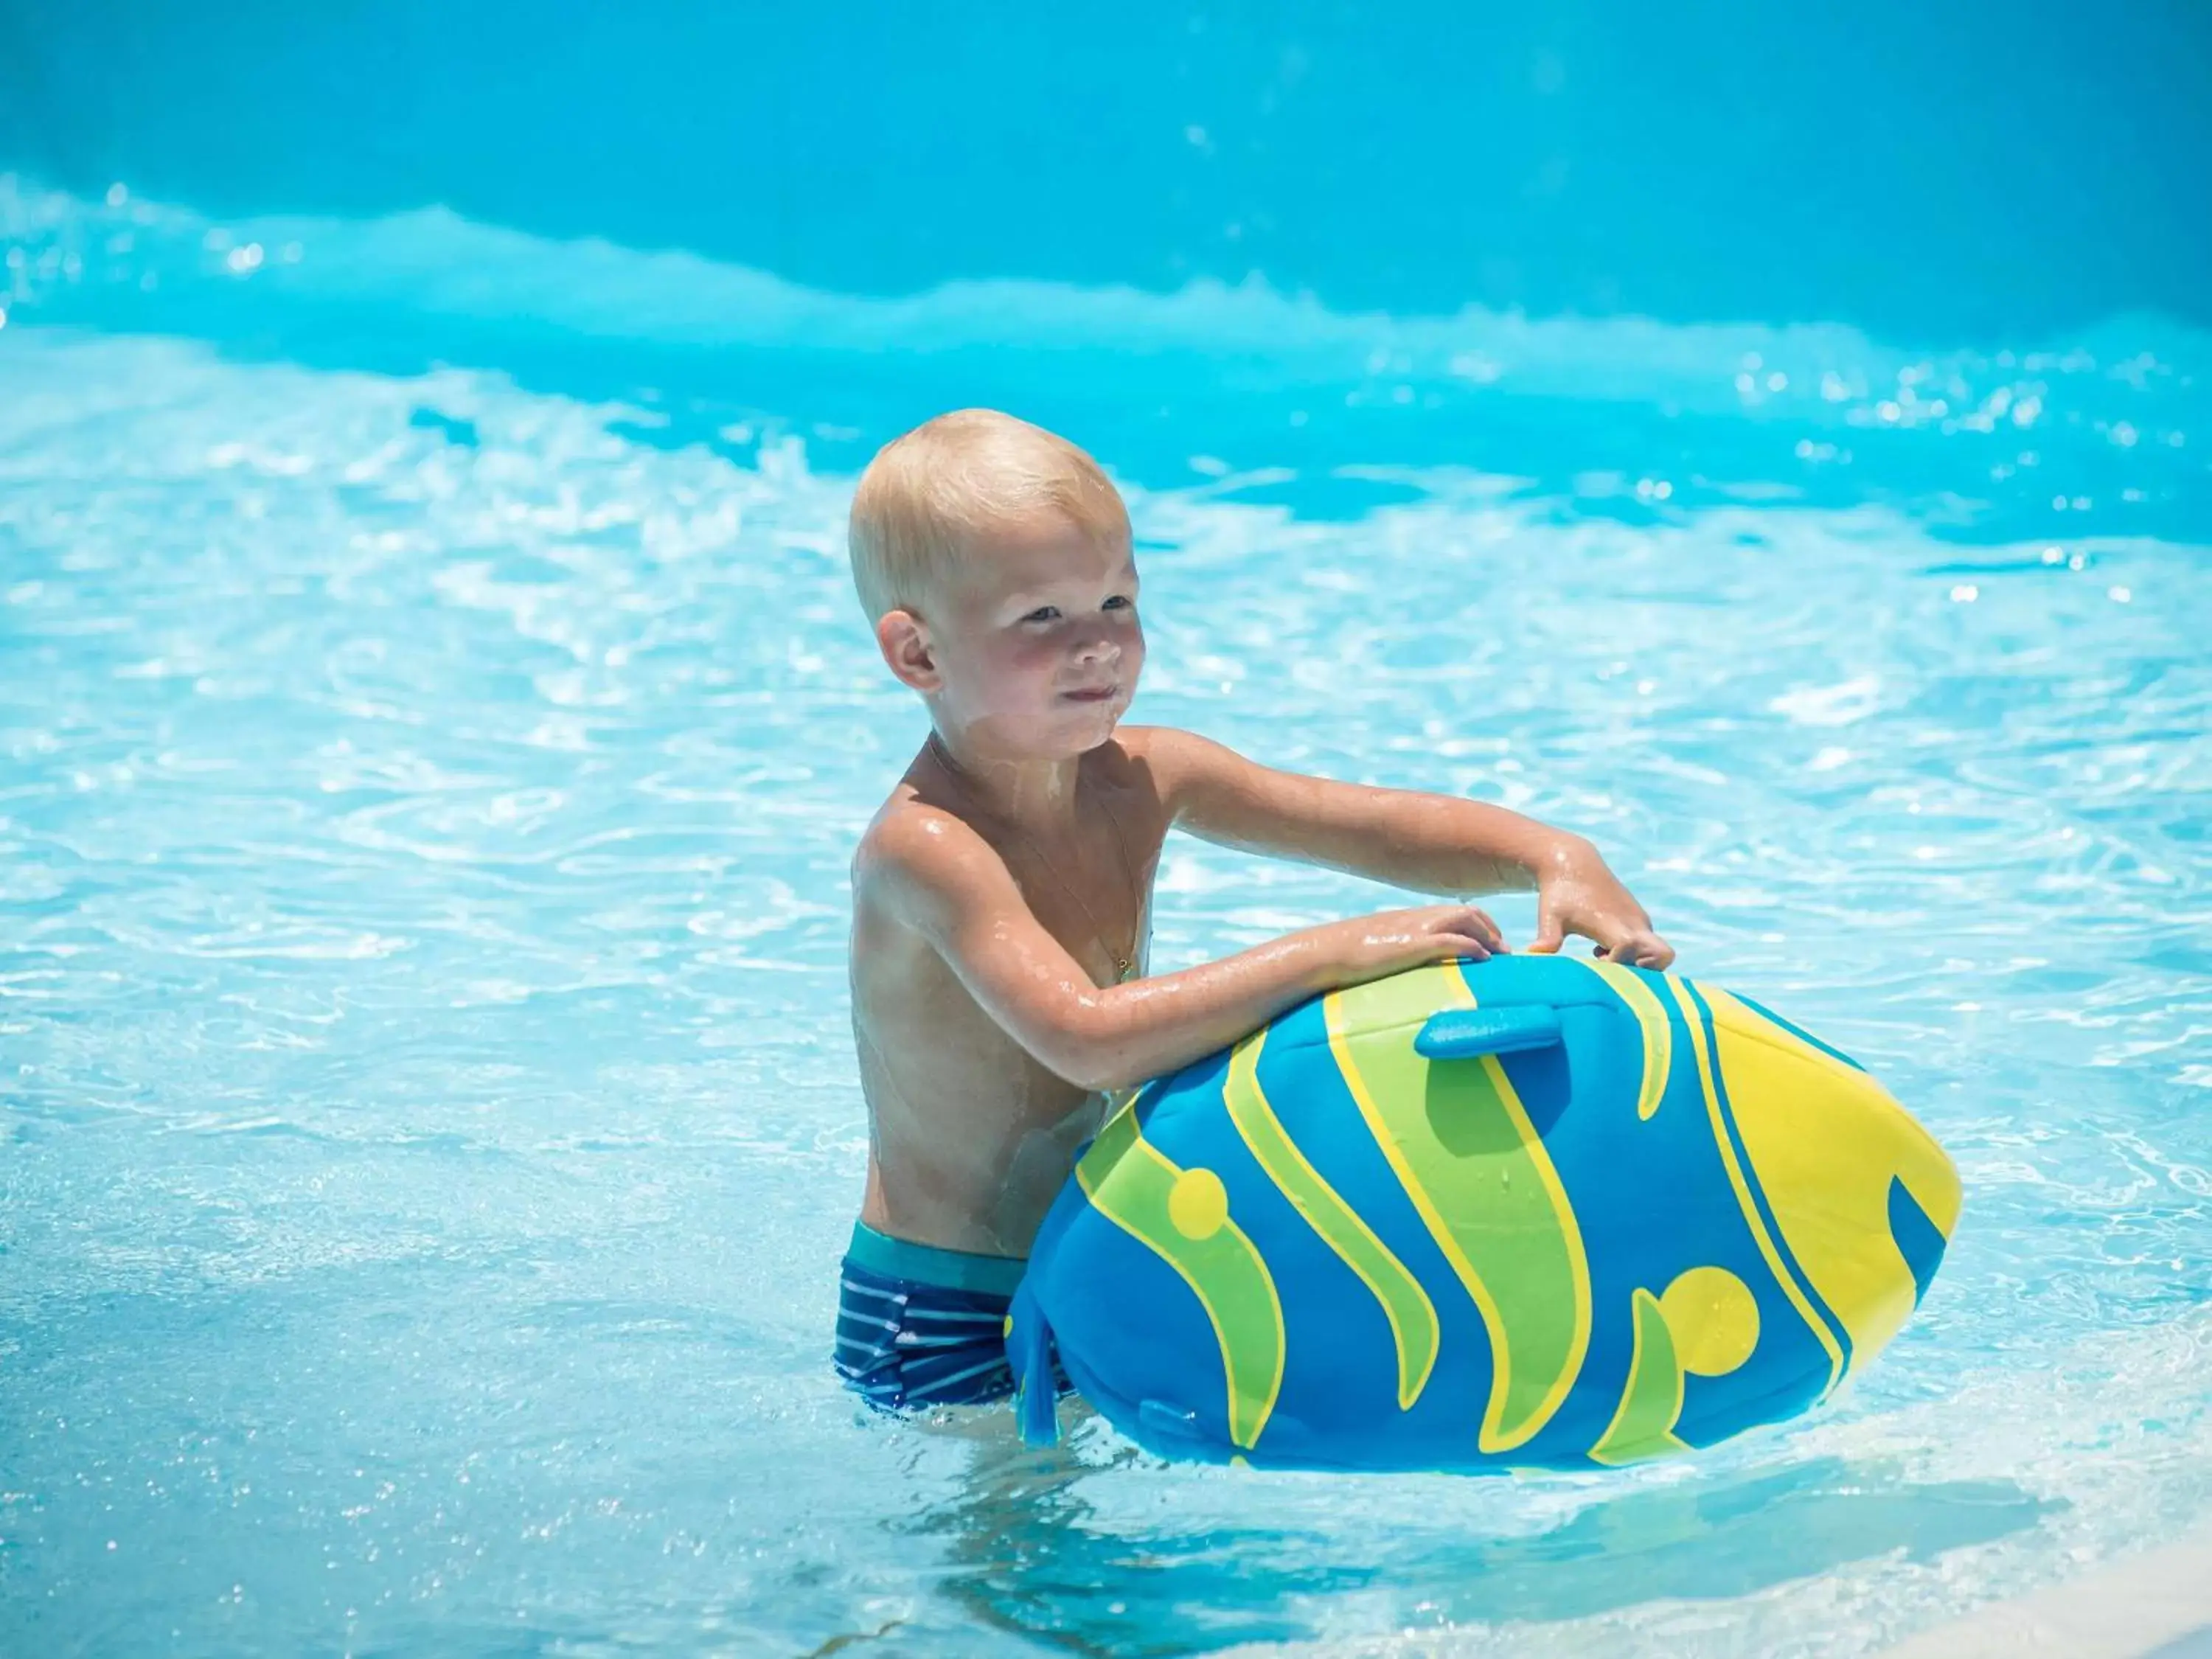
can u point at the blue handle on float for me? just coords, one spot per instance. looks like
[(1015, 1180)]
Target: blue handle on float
[(1469, 1033), (1029, 1353)]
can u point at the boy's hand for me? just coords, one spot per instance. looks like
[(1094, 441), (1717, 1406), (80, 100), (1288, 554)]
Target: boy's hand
[(1576, 894), (1390, 941)]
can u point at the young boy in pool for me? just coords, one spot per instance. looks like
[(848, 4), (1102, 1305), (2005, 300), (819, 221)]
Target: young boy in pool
[(1001, 897)]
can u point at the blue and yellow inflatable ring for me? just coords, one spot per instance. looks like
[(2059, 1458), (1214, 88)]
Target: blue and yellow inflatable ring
[(1529, 1212)]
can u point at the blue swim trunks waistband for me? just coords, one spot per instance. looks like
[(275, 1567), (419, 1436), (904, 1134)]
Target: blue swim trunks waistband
[(927, 1264)]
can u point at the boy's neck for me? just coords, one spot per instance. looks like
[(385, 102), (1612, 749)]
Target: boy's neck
[(1038, 795)]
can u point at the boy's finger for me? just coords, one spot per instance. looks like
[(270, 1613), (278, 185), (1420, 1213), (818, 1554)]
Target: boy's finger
[(1550, 936), (1644, 950)]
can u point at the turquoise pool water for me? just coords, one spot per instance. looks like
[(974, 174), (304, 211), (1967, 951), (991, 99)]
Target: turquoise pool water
[(434, 728)]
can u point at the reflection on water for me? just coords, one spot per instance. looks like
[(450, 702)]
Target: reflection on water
[(1023, 1552), (1729, 1539)]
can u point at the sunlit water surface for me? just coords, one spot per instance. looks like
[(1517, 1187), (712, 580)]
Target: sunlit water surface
[(434, 728)]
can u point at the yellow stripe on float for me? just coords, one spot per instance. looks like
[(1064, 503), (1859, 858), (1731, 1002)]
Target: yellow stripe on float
[(1740, 1181), (1412, 1316)]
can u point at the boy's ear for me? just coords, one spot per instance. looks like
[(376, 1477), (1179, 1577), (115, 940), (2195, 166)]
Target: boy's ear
[(907, 650)]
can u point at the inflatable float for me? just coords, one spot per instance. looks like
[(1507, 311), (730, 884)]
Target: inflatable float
[(1534, 1212)]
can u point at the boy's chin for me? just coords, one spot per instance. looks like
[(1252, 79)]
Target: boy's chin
[(1080, 733), (1097, 728)]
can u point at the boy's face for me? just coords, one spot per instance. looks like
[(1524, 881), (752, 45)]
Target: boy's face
[(1034, 645)]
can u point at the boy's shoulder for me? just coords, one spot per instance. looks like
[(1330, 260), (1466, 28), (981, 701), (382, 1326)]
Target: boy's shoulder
[(912, 834), (1170, 759), (1155, 752), (922, 851)]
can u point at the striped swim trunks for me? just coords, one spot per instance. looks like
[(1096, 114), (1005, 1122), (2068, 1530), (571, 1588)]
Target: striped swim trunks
[(920, 1326)]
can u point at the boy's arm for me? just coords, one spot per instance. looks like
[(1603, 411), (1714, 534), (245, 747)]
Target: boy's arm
[(940, 877), (1431, 843)]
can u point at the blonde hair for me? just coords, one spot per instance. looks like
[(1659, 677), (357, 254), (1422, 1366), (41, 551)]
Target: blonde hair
[(926, 493)]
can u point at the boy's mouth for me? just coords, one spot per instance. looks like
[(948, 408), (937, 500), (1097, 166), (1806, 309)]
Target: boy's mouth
[(1095, 693)]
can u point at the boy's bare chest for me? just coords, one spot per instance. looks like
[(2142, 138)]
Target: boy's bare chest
[(1093, 895)]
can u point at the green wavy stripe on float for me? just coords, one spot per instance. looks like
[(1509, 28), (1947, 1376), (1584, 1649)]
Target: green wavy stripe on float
[(1651, 1401), (1652, 1021), (1462, 1145), (1412, 1316), (1182, 1216)]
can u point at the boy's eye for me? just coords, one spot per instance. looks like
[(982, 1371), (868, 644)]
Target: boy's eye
[(1043, 613), (1119, 602)]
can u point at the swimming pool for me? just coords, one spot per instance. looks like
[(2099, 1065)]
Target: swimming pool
[(434, 728)]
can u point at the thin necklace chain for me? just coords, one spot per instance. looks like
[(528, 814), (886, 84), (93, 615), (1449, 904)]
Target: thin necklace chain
[(1124, 965)]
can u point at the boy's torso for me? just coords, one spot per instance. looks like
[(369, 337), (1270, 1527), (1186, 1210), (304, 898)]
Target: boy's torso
[(969, 1138)]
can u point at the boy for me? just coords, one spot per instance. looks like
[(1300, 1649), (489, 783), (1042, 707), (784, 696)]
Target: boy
[(1000, 898)]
